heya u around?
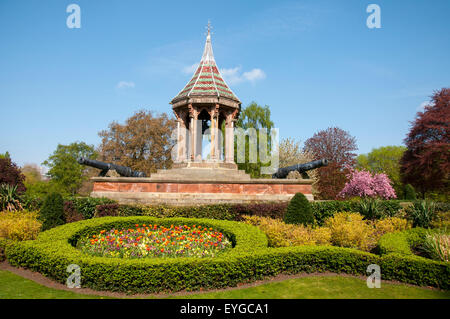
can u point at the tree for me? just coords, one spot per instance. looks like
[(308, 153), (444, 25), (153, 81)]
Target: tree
[(256, 117), (143, 143), (426, 162), (367, 185), (337, 146), (5, 155), (32, 173), (64, 171), (291, 153), (10, 174), (385, 159)]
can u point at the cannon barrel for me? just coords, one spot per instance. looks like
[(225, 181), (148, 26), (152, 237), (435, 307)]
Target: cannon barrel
[(105, 167), (301, 168)]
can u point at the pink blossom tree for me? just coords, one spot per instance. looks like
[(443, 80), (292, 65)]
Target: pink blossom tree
[(366, 184)]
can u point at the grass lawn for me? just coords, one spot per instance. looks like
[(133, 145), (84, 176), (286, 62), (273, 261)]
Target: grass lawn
[(13, 286)]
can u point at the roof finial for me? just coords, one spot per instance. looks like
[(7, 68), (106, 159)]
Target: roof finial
[(209, 28)]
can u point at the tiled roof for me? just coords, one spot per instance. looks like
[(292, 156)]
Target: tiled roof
[(207, 80)]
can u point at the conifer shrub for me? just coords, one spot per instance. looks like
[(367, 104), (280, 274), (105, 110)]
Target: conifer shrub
[(410, 193), (299, 211), (52, 212)]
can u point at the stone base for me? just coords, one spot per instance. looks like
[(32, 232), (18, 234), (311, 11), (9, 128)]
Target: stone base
[(178, 188), (205, 164)]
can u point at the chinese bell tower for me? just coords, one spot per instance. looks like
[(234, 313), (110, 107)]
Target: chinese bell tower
[(205, 105)]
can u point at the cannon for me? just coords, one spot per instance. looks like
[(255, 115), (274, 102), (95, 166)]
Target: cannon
[(301, 168), (105, 167)]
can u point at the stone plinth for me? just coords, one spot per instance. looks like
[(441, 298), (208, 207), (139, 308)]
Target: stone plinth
[(183, 187)]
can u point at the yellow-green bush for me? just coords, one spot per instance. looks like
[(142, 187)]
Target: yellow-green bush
[(19, 225), (350, 230), (390, 225), (280, 234), (343, 229)]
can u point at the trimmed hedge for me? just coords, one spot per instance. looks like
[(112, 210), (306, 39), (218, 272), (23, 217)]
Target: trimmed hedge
[(399, 259), (249, 260), (218, 211)]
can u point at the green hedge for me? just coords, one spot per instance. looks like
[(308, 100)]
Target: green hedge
[(249, 260), (324, 209), (399, 259)]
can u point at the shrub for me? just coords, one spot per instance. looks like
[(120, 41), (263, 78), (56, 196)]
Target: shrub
[(421, 213), (410, 193), (31, 202), (365, 184), (299, 211), (9, 198), (280, 234), (441, 220), (390, 225), (106, 210), (350, 230), (22, 225), (271, 210), (87, 205), (70, 213), (324, 209), (437, 246), (52, 212), (217, 211), (370, 208)]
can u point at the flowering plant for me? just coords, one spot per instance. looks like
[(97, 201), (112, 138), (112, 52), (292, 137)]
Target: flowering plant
[(155, 241), (365, 184)]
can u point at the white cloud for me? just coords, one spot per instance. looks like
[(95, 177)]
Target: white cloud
[(254, 75), (234, 75), (190, 69), (231, 76), (125, 84), (422, 105)]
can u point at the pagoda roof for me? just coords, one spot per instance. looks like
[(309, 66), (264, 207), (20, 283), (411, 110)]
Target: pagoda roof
[(207, 80)]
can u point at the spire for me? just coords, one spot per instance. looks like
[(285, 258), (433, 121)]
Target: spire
[(207, 80), (208, 56)]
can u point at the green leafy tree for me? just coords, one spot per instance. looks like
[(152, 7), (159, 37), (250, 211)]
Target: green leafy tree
[(257, 117), (5, 155), (64, 170), (385, 159)]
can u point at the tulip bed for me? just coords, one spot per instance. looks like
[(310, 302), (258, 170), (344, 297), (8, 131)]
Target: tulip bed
[(151, 240), (247, 259)]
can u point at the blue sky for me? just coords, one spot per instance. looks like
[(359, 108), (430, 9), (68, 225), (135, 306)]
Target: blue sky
[(315, 63)]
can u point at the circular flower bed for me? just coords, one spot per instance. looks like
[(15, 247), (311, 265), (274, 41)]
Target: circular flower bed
[(152, 240)]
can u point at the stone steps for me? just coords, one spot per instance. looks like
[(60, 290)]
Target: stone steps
[(200, 174)]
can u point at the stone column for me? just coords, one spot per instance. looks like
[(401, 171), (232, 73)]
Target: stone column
[(181, 140), (214, 133), (192, 132), (229, 139)]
